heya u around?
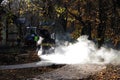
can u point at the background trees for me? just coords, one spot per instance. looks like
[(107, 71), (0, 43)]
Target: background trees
[(95, 18)]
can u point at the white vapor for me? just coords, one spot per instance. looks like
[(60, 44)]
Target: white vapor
[(81, 52)]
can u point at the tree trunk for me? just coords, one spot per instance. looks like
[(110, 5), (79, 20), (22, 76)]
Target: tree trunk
[(86, 30), (113, 19), (102, 25), (7, 24), (118, 3), (63, 21), (1, 1)]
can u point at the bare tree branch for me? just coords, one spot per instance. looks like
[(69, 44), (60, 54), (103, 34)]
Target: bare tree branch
[(79, 18)]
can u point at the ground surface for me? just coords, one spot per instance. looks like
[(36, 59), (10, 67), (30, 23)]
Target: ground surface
[(16, 57), (112, 72), (60, 73), (55, 72)]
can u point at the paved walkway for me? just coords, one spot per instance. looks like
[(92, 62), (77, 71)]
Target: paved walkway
[(67, 72), (28, 65), (70, 72)]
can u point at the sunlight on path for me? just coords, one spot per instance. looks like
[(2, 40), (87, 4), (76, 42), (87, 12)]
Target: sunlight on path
[(27, 65), (71, 72)]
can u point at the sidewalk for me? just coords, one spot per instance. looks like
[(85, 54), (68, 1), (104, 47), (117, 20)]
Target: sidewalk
[(27, 65)]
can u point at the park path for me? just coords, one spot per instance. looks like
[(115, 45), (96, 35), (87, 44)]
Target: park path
[(27, 65), (70, 72), (66, 72)]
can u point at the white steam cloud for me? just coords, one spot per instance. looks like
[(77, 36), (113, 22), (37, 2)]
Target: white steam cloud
[(82, 52)]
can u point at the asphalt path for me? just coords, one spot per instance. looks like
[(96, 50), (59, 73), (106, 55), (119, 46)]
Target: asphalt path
[(27, 65), (66, 72), (70, 72)]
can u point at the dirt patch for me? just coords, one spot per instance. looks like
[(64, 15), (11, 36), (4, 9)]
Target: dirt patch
[(9, 59), (24, 74), (110, 73), (71, 72)]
